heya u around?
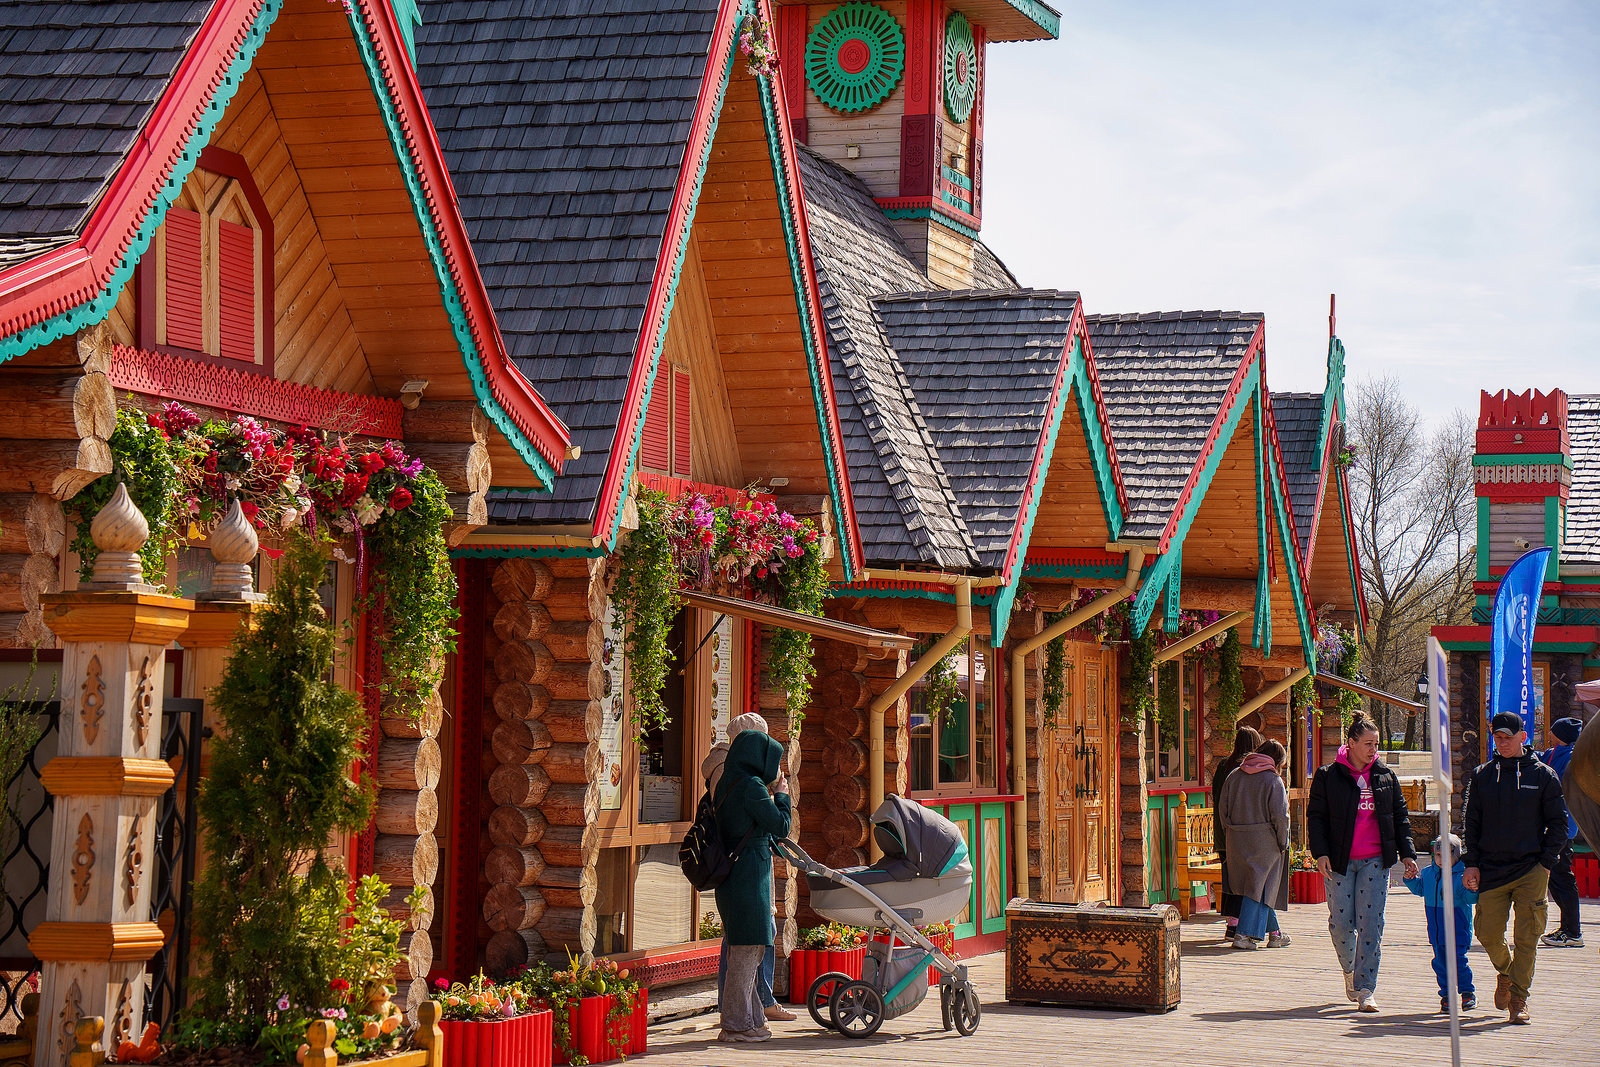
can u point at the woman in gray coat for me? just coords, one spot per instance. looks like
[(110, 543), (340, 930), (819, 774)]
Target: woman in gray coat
[(1255, 817)]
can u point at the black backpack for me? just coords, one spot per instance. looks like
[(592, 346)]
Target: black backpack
[(705, 860)]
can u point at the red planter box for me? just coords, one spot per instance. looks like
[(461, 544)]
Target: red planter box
[(520, 1042), (805, 964), (1307, 887), (586, 1021), (1586, 868)]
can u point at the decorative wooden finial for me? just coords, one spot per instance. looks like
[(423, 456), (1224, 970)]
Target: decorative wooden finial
[(233, 547), (119, 531), (87, 1051)]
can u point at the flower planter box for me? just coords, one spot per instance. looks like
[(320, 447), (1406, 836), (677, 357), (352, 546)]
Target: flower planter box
[(587, 1030), (805, 964), (1307, 887), (523, 1041), (1586, 868)]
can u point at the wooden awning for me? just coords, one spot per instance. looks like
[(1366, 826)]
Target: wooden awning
[(769, 615)]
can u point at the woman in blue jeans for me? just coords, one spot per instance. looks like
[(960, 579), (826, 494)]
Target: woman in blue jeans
[(1359, 829)]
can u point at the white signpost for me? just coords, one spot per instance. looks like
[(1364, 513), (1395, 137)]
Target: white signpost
[(1439, 709)]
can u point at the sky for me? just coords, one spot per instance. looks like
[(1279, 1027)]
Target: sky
[(1436, 165)]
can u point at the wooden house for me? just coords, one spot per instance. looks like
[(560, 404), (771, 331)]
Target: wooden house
[(240, 207), (632, 192), (1537, 469)]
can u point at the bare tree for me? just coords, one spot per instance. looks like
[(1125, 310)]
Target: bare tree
[(1413, 497)]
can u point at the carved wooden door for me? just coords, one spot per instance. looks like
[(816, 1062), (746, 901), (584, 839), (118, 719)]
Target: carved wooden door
[(1096, 807), (1062, 819)]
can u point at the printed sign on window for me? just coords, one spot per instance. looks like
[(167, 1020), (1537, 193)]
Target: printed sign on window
[(613, 724), (720, 645)]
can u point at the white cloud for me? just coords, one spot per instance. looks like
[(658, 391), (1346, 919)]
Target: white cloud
[(1433, 165)]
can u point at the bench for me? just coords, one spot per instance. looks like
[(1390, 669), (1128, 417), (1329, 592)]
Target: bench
[(1195, 856)]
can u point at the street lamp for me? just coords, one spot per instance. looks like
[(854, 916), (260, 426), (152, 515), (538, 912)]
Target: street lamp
[(1422, 689), (1422, 698)]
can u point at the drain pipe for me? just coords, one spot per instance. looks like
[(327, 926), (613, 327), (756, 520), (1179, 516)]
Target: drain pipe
[(1266, 696), (963, 587), (1222, 625), (1019, 718)]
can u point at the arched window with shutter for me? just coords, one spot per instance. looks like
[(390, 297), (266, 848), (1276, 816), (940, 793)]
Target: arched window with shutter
[(205, 284)]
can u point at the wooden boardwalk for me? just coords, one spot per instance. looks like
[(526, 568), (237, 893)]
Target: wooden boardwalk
[(1239, 1009)]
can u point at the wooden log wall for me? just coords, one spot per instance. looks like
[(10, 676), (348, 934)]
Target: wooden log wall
[(405, 854), (452, 438), (57, 411), (543, 762)]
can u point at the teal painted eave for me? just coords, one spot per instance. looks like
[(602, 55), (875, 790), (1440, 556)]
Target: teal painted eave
[(1532, 459), (1286, 535), (1046, 18), (99, 306)]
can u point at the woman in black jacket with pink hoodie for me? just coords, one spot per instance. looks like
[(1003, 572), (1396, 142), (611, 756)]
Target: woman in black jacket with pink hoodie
[(1359, 828)]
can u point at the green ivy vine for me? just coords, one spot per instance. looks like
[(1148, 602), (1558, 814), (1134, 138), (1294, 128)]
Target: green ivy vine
[(1167, 701), (414, 590), (1141, 666), (1055, 673), (941, 684), (790, 659), (645, 593), (1230, 680), (145, 461)]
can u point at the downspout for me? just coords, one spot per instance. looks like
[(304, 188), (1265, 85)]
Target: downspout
[(1222, 625), (1266, 696), (1019, 718), (963, 589)]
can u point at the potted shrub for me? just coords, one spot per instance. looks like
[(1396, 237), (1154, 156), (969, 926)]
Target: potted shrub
[(489, 1025), (834, 947), (1305, 881), (598, 1012)]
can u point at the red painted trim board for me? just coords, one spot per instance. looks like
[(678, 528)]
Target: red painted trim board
[(462, 910)]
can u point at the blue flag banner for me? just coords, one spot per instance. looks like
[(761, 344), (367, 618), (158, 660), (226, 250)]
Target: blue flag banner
[(1516, 611)]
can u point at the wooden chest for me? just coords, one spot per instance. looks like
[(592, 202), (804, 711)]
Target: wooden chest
[(1088, 956)]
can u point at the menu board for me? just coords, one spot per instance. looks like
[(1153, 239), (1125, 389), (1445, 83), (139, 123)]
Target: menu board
[(720, 645), (613, 723)]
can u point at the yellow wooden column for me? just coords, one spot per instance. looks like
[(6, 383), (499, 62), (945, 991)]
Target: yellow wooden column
[(107, 778)]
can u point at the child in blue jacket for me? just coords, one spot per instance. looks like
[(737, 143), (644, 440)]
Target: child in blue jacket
[(1427, 885)]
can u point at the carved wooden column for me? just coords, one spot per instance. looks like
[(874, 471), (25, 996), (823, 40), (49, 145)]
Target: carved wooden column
[(106, 779)]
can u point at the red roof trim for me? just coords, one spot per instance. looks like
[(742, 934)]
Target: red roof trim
[(515, 393), (50, 284)]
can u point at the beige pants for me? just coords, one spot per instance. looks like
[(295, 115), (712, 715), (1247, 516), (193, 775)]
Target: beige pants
[(1526, 896)]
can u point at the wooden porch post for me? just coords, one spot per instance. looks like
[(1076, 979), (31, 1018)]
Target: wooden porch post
[(106, 779)]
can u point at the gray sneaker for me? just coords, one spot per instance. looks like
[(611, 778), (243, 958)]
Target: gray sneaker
[(1279, 940), (1562, 939), (1241, 941)]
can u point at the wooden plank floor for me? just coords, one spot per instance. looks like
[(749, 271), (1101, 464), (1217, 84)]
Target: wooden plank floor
[(1239, 1008)]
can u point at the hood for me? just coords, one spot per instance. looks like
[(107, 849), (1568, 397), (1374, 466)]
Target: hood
[(753, 753), (1257, 762), (1344, 758)]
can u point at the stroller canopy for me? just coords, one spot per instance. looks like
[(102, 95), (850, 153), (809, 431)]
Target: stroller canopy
[(928, 844)]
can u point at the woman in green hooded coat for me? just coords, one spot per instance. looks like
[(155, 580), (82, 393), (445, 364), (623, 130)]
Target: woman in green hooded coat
[(746, 806)]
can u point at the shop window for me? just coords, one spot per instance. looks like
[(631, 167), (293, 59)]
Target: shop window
[(205, 285), (955, 750), (1539, 727), (1172, 727)]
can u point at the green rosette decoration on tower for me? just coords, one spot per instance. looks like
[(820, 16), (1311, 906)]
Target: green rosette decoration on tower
[(960, 67), (855, 57)]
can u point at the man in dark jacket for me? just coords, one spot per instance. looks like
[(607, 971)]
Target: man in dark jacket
[(1516, 825), (1563, 884)]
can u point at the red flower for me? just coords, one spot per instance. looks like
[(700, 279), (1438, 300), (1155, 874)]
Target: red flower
[(156, 424), (441, 983), (250, 510), (339, 985), (372, 463), (400, 498)]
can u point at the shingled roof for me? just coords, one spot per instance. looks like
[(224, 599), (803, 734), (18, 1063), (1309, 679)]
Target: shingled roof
[(1298, 417), (77, 83), (1164, 376), (905, 508), (1583, 504), (564, 125), (983, 365)]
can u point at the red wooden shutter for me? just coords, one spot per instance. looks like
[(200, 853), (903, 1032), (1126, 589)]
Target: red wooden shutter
[(236, 259), (185, 307), (655, 445), (681, 434)]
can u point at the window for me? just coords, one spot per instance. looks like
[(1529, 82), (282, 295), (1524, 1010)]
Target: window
[(666, 444), (1540, 697), (205, 285), (1172, 730), (955, 749)]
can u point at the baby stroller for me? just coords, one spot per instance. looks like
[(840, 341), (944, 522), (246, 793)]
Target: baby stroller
[(925, 876)]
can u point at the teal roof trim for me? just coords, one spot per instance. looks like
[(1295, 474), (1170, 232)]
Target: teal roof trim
[(1040, 15), (1172, 611), (1099, 441), (98, 307), (1263, 609), (1286, 536)]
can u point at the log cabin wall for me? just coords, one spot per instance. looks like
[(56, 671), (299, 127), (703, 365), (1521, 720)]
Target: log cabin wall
[(544, 785)]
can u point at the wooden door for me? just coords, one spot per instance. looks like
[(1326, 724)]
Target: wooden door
[(1096, 806), (1062, 817), (1082, 799)]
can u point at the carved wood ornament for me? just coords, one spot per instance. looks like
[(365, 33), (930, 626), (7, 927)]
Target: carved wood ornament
[(83, 859), (71, 1012), (143, 702), (122, 1021), (133, 868), (94, 701)]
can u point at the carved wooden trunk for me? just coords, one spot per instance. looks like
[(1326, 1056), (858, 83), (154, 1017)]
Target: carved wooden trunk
[(1092, 957)]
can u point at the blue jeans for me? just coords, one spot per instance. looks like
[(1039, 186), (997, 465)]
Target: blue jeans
[(1463, 921), (1255, 919), (763, 978), (1355, 918)]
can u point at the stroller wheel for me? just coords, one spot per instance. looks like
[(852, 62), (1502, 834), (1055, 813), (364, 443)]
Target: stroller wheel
[(821, 994), (857, 1009), (944, 1007), (965, 1010)]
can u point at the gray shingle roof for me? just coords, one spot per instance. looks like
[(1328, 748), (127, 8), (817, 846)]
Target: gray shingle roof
[(564, 124), (905, 508), (1583, 504), (983, 366), (1164, 375), (77, 83), (1298, 417)]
